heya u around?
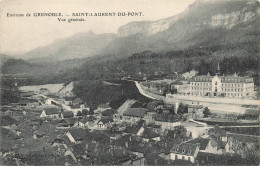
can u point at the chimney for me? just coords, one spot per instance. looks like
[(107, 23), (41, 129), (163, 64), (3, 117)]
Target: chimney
[(96, 146), (198, 144), (155, 161)]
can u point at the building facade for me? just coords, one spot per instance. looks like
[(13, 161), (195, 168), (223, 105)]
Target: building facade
[(226, 86)]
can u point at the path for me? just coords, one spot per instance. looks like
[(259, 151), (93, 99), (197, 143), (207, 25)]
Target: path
[(68, 108), (142, 91), (127, 104), (201, 123)]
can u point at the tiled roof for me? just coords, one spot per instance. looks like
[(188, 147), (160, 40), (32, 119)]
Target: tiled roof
[(6, 133), (78, 133), (149, 133), (76, 106), (7, 120), (217, 143), (106, 120), (109, 112), (77, 101), (79, 150), (133, 129), (185, 149), (45, 129), (51, 110), (135, 112), (203, 142), (67, 114), (104, 106), (217, 132), (70, 121), (98, 137)]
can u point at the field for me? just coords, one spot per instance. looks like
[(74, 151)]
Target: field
[(53, 88), (243, 130)]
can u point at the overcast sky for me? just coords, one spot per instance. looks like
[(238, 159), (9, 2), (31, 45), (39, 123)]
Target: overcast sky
[(21, 34)]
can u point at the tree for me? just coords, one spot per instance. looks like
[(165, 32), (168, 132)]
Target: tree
[(79, 113), (182, 109), (206, 112)]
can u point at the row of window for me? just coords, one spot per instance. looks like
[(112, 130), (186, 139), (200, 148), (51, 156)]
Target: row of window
[(201, 84), (182, 157), (232, 85), (202, 79), (198, 88), (231, 80), (231, 90), (227, 94), (223, 85), (177, 149)]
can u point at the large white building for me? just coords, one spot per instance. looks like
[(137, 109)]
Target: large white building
[(226, 86)]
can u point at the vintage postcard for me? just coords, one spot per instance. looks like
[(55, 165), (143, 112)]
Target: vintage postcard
[(129, 82)]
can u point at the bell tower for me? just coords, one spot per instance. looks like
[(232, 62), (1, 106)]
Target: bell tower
[(218, 70)]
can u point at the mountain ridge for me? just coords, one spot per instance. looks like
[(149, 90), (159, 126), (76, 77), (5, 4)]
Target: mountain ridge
[(205, 22)]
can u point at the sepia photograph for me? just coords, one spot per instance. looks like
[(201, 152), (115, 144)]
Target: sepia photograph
[(129, 83)]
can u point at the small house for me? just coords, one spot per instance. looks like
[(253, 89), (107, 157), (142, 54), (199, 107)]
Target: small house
[(104, 123), (50, 112), (133, 115), (185, 151)]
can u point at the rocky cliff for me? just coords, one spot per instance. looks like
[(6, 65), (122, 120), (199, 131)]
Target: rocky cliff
[(204, 23)]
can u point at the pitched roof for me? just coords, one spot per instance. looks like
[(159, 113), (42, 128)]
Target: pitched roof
[(45, 129), (106, 120), (98, 137), (78, 133), (185, 149), (217, 131), (79, 150), (218, 143), (69, 98), (135, 112), (149, 133), (51, 110), (6, 133), (77, 101), (76, 106), (109, 112), (67, 114), (133, 129), (203, 142), (104, 106), (7, 121), (70, 121)]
